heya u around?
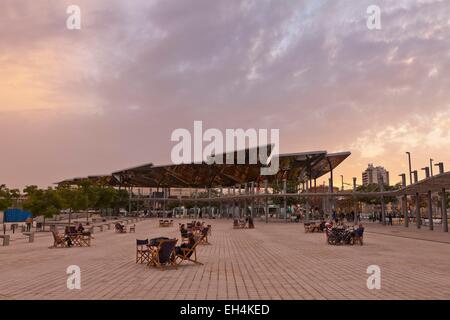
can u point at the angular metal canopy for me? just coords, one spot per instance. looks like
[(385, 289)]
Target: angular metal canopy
[(298, 167)]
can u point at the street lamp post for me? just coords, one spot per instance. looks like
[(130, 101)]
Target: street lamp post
[(409, 162), (440, 165), (404, 201), (431, 167), (427, 172)]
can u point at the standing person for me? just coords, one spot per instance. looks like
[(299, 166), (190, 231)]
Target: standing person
[(333, 216), (29, 222), (390, 218)]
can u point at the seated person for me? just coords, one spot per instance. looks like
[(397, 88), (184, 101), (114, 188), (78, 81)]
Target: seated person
[(322, 225), (120, 227), (359, 231), (68, 241), (80, 228), (67, 237), (189, 245)]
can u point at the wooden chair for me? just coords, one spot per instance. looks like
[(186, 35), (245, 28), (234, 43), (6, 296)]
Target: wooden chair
[(133, 228), (58, 240), (164, 255), (188, 254), (203, 239), (142, 251), (85, 239)]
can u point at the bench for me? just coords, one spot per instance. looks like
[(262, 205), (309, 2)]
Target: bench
[(5, 238), (30, 236)]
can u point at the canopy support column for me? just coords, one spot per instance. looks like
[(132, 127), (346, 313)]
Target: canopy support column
[(285, 199), (444, 211), (266, 191), (252, 199), (430, 211), (418, 219)]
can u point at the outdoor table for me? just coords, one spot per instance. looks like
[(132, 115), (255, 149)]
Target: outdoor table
[(155, 241)]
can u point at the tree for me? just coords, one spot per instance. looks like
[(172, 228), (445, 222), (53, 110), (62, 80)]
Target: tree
[(375, 199), (42, 202), (291, 187), (5, 197)]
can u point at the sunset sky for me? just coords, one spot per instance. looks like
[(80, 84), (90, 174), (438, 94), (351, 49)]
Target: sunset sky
[(106, 97)]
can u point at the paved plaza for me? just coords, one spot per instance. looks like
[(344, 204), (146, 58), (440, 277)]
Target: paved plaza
[(273, 261)]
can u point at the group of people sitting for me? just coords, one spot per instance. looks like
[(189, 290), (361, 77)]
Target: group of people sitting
[(73, 230), (241, 223), (348, 234), (194, 230), (120, 227), (178, 249)]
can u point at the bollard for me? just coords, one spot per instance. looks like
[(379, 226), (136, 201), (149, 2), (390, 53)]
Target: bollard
[(5, 239)]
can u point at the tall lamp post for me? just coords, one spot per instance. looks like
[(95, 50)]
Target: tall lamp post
[(431, 167), (409, 162)]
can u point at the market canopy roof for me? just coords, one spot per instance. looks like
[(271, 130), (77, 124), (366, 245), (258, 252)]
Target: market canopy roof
[(434, 184), (297, 167)]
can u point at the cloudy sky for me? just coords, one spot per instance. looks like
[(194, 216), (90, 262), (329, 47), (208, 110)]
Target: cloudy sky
[(106, 97)]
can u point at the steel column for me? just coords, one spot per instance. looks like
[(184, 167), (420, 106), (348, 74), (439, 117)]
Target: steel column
[(430, 211), (444, 211)]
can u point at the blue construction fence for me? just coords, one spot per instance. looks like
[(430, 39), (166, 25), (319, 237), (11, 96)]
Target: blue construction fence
[(16, 215)]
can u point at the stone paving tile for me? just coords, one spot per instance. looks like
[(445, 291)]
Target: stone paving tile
[(273, 261)]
